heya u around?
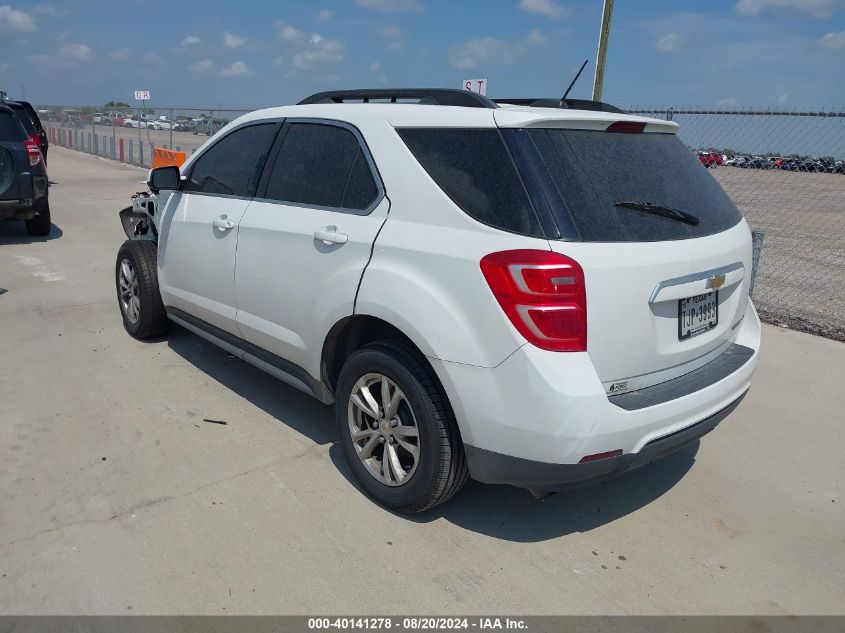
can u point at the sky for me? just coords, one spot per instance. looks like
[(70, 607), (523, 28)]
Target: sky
[(256, 53)]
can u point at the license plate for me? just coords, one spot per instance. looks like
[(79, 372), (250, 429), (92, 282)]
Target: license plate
[(698, 314)]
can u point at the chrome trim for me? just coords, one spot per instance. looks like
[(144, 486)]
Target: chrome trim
[(677, 281)]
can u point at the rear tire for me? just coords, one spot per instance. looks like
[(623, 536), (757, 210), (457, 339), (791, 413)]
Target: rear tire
[(434, 469), (40, 225), (138, 296)]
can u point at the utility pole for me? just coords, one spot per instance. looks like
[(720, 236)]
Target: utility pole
[(604, 36)]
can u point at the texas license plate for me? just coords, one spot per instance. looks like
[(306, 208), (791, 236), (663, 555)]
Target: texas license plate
[(698, 314)]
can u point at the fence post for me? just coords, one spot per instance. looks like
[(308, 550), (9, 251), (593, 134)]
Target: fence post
[(131, 152), (111, 147), (70, 138), (756, 253), (120, 150), (140, 151), (170, 118)]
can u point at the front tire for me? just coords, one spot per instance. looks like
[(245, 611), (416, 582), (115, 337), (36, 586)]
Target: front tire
[(40, 225), (397, 430), (138, 296)]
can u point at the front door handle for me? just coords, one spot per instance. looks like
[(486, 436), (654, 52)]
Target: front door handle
[(223, 224), (330, 235)]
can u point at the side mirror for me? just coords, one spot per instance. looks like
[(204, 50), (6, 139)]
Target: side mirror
[(164, 178)]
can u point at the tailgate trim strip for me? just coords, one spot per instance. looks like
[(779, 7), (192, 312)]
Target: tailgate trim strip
[(721, 367), (706, 274)]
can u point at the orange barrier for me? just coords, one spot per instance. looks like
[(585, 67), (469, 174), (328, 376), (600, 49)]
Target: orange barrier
[(163, 157)]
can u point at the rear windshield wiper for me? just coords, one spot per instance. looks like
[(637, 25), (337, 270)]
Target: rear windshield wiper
[(659, 209)]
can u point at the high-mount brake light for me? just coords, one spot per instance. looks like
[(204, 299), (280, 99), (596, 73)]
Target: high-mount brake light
[(543, 294), (626, 127), (34, 152)]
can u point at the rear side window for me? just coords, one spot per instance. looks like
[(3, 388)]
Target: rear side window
[(324, 166), (594, 171), (232, 166), (33, 115), (473, 167), (23, 116), (10, 129)]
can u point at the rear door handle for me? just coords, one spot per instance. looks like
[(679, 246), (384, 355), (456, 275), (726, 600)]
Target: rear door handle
[(330, 235), (222, 224)]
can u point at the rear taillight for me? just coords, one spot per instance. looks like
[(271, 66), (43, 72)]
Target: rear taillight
[(34, 150), (626, 127), (544, 296)]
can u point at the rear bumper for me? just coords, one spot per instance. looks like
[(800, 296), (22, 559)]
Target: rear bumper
[(495, 468), (532, 419)]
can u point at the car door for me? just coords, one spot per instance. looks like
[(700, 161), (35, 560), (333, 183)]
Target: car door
[(304, 242), (199, 232)]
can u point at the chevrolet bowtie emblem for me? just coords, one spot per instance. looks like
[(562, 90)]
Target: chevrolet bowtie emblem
[(715, 282)]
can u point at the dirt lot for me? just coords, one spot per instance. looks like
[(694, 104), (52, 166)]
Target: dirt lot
[(118, 498), (802, 274)]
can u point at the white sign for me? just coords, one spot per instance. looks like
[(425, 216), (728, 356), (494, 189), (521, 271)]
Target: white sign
[(475, 85), (142, 95)]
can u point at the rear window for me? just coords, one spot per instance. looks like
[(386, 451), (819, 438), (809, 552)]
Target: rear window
[(473, 167), (593, 171), (10, 129)]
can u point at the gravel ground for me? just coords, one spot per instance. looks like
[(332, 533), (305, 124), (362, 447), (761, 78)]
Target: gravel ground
[(801, 281)]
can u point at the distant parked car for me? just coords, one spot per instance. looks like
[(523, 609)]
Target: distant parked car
[(134, 123), (710, 159), (207, 126)]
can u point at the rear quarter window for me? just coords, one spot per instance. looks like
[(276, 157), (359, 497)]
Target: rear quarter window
[(473, 167)]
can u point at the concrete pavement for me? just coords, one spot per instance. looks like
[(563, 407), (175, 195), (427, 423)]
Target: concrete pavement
[(116, 497)]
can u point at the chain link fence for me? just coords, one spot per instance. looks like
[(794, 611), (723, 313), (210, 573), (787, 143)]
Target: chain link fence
[(131, 135), (783, 169)]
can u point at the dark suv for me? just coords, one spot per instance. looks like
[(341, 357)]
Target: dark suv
[(31, 123), (23, 175)]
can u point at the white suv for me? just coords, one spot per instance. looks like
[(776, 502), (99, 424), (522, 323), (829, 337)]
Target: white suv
[(538, 293)]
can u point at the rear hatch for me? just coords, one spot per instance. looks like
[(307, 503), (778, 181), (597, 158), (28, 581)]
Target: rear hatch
[(665, 253)]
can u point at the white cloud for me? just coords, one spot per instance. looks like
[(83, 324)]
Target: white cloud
[(191, 40), (16, 20), (833, 41), (393, 6), (536, 38), (730, 102), (236, 69), (203, 67), (668, 43), (68, 56), (375, 67), (815, 8), (782, 98), (286, 32), (49, 10), (75, 52), (120, 54), (547, 8), (320, 51), (394, 36), (324, 15), (230, 40), (487, 50)]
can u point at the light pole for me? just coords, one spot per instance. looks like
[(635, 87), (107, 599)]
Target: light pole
[(604, 36)]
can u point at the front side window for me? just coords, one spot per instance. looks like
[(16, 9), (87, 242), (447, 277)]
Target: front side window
[(232, 166), (323, 166)]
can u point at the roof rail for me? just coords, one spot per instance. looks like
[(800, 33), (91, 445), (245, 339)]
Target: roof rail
[(569, 104), (428, 96)]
